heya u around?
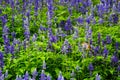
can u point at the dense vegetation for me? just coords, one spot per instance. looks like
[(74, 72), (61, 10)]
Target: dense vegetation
[(59, 40)]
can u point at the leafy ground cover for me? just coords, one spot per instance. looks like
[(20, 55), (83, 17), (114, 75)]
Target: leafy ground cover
[(59, 40)]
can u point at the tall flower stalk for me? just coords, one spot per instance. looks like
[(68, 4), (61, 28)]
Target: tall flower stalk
[(1, 60), (49, 12)]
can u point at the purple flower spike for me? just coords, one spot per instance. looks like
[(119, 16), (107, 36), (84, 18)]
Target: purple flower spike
[(35, 73), (48, 77), (99, 38), (76, 34), (68, 25), (103, 42), (66, 47), (90, 67), (1, 60), (34, 38), (42, 28), (12, 4), (114, 59), (118, 6), (115, 18), (96, 50), (4, 20), (53, 38), (88, 19), (6, 74), (50, 11), (13, 35), (114, 8), (105, 52), (36, 7), (42, 75), (108, 39), (60, 77), (116, 45), (80, 20), (18, 77), (97, 77), (0, 73), (26, 76), (101, 21), (2, 77), (118, 68), (11, 49)]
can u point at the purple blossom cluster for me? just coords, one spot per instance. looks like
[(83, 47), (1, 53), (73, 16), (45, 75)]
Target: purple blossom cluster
[(50, 11), (1, 60), (88, 11), (66, 47), (26, 28), (3, 76)]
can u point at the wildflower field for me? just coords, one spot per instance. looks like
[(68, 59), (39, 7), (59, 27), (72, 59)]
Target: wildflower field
[(59, 40)]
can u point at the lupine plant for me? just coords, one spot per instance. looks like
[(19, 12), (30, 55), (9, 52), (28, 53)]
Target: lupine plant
[(59, 40)]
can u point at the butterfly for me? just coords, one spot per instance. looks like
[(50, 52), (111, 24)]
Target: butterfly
[(86, 46)]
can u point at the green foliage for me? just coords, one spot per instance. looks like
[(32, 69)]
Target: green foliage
[(36, 52)]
